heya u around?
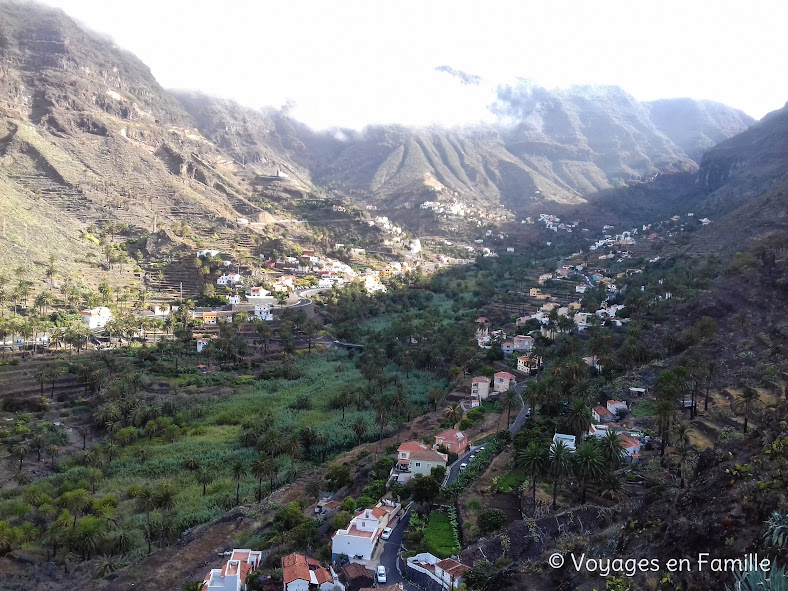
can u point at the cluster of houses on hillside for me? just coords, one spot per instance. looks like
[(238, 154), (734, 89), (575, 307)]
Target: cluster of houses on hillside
[(604, 418)]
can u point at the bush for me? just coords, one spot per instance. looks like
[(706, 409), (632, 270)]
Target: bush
[(491, 520), (465, 424)]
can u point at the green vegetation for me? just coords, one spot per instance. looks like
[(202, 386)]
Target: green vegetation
[(439, 536)]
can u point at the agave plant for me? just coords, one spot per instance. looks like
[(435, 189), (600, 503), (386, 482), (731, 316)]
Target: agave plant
[(777, 530), (757, 580)]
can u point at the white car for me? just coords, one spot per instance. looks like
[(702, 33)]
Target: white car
[(386, 533), (463, 466), (381, 573), (481, 448), (472, 457)]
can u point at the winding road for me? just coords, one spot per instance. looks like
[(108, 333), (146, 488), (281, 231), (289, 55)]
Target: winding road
[(392, 546)]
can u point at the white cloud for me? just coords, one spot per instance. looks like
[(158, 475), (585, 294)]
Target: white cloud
[(354, 62)]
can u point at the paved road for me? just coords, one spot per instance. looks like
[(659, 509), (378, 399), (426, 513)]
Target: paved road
[(388, 557), (391, 547)]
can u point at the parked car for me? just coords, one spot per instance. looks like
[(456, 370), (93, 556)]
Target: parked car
[(381, 573), (472, 457), (481, 448), (386, 533), (463, 466)]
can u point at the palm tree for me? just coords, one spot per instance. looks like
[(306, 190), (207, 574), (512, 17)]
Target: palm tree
[(239, 471), (205, 478), (533, 459), (164, 499), (20, 448), (683, 453), (664, 413), (747, 403), (435, 397), (141, 453), (588, 464), (359, 428), (533, 395), (454, 413), (560, 463), (260, 471), (145, 502), (509, 401), (579, 418), (612, 449), (93, 476), (711, 372), (681, 433)]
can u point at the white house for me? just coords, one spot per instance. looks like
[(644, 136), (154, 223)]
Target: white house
[(230, 279), (567, 440), (447, 572), (232, 576), (234, 299), (480, 388), (263, 313), (616, 406), (201, 344), (416, 458), (301, 573), (503, 381), (526, 364), (523, 343), (258, 295), (207, 253), (358, 540), (96, 317), (507, 347)]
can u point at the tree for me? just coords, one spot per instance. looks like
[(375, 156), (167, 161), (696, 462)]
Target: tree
[(435, 396), (454, 413), (560, 462), (612, 449), (238, 472), (425, 489), (533, 459), (747, 403), (509, 401), (261, 468), (491, 520), (359, 428), (264, 332), (588, 465), (683, 454), (164, 498), (579, 418), (205, 477), (145, 502)]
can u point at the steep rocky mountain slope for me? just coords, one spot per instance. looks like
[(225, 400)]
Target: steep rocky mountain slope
[(548, 146), (88, 136)]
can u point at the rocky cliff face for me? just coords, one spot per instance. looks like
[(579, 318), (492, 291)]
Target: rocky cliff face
[(760, 153)]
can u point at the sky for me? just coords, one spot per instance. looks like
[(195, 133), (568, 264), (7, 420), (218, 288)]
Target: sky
[(350, 63)]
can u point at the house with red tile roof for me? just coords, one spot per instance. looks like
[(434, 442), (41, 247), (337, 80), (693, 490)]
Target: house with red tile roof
[(232, 576), (455, 441), (503, 381), (602, 415), (301, 573), (447, 572), (416, 458)]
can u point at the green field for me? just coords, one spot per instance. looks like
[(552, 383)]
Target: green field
[(439, 537), (209, 435)]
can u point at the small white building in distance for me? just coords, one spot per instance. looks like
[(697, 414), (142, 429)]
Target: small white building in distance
[(232, 576), (258, 295), (201, 344), (96, 317), (263, 313), (230, 279)]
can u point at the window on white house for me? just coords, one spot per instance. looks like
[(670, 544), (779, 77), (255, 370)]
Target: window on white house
[(418, 464)]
